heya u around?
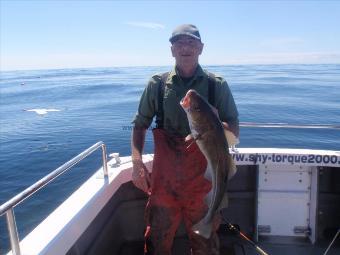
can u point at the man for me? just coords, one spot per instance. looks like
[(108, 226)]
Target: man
[(177, 186)]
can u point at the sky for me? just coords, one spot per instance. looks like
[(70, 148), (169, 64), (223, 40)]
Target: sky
[(47, 34)]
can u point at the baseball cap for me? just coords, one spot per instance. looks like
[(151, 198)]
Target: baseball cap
[(185, 29)]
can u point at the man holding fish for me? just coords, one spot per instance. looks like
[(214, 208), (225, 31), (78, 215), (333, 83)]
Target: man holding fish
[(191, 159)]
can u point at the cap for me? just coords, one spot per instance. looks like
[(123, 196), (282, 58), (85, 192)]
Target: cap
[(185, 29)]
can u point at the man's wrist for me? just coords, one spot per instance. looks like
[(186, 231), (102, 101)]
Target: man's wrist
[(136, 159), (136, 154)]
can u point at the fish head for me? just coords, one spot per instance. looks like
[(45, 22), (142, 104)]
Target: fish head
[(193, 103), (190, 101), (198, 111)]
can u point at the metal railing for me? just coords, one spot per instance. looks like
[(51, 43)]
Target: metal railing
[(7, 208), (288, 125)]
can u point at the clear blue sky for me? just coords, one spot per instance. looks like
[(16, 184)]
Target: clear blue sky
[(66, 34)]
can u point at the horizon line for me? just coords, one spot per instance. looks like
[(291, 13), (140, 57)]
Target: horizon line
[(135, 66)]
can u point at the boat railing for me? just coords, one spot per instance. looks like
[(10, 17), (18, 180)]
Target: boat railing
[(7, 208)]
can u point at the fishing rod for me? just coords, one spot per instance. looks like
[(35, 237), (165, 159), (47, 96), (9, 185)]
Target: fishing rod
[(287, 125), (244, 237), (330, 245)]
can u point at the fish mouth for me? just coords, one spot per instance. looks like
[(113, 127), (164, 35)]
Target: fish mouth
[(185, 102)]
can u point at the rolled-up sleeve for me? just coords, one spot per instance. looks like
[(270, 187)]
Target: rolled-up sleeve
[(147, 104)]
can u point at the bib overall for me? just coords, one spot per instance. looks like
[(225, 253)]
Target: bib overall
[(177, 194)]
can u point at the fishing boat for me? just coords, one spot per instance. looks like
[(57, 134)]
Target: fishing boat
[(281, 201)]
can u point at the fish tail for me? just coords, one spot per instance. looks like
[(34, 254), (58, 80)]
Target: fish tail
[(203, 229)]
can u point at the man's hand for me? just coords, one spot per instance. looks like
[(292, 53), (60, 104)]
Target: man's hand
[(230, 135), (140, 176)]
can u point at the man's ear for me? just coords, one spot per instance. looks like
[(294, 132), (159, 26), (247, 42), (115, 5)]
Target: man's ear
[(172, 50), (201, 48)]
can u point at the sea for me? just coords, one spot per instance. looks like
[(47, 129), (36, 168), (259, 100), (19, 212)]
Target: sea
[(97, 104)]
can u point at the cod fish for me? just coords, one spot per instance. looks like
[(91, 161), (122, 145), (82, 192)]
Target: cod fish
[(207, 129)]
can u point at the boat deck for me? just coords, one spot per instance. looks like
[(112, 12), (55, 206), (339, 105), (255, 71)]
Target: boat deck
[(280, 198), (123, 234)]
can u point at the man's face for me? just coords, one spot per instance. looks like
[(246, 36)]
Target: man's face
[(186, 50)]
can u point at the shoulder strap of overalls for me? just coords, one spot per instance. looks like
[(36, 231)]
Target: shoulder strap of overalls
[(160, 112), (211, 89)]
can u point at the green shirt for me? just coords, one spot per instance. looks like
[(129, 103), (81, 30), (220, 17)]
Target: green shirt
[(175, 119)]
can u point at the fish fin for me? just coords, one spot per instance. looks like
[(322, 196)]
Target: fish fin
[(195, 138), (231, 138), (208, 198), (208, 172), (203, 229), (224, 202), (232, 167)]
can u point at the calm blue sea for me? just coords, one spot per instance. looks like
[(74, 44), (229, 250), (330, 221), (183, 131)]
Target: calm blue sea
[(97, 104)]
